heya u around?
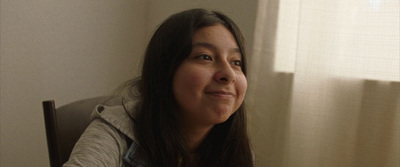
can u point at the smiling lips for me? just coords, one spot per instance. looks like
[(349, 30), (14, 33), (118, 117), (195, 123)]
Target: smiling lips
[(221, 94)]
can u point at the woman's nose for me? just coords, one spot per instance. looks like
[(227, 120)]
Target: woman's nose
[(225, 74)]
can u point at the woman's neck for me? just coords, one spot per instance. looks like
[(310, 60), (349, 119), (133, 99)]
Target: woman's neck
[(194, 135)]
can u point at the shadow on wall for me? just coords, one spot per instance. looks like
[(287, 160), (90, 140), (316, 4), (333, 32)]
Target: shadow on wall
[(270, 119), (268, 98), (378, 125), (360, 127)]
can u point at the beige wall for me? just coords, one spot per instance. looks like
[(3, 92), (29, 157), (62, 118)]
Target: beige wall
[(61, 50), (68, 50)]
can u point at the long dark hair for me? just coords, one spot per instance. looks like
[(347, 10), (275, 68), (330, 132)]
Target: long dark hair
[(156, 120)]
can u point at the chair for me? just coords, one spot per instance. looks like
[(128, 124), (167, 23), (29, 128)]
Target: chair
[(65, 125)]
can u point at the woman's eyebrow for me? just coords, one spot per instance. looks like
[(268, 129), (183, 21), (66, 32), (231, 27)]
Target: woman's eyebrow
[(211, 46), (204, 44)]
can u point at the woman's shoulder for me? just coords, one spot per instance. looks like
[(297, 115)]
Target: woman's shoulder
[(117, 117)]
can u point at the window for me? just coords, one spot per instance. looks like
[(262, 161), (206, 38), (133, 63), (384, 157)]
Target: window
[(357, 39)]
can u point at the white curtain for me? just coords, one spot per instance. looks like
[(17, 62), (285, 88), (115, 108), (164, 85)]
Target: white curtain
[(325, 83)]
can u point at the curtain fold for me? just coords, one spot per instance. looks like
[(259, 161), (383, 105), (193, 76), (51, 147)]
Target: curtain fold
[(324, 83)]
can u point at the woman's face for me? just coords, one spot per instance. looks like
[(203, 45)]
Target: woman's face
[(209, 85)]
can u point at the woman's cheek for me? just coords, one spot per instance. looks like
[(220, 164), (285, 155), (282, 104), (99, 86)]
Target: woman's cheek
[(242, 84)]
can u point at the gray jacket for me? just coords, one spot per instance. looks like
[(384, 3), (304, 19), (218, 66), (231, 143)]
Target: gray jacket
[(104, 142)]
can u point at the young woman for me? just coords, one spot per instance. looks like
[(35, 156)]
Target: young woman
[(186, 109)]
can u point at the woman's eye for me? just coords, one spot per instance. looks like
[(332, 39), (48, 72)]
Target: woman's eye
[(204, 57), (237, 63)]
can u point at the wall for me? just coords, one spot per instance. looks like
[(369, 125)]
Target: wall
[(68, 50), (61, 50)]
